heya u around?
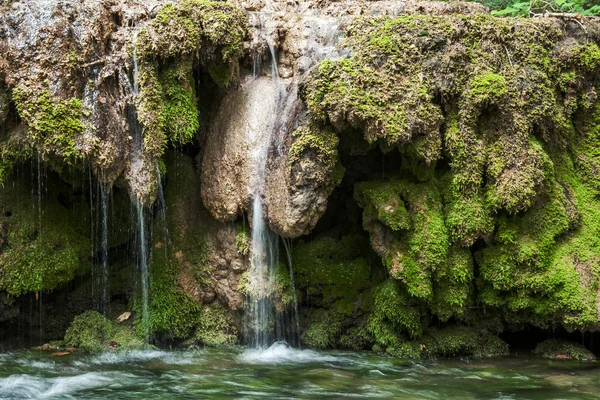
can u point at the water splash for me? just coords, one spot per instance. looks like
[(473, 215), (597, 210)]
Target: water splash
[(282, 353)]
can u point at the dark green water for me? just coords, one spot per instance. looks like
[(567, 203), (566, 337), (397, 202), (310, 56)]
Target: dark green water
[(287, 374)]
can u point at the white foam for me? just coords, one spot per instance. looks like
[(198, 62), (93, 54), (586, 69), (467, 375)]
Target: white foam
[(134, 356), (281, 352)]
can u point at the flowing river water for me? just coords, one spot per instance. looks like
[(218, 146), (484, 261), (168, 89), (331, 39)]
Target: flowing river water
[(283, 373)]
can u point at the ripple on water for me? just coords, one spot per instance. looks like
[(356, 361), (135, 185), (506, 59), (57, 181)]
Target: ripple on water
[(37, 387)]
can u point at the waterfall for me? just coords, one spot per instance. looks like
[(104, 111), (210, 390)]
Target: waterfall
[(272, 118), (142, 237), (104, 239), (143, 261)]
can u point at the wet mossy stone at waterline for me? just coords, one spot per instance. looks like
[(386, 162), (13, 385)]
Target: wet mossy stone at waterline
[(558, 349), (92, 332)]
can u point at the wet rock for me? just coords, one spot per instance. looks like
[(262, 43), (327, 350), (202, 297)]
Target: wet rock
[(124, 317)]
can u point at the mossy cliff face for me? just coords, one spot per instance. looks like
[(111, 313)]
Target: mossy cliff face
[(195, 266), (494, 122), (446, 163), (44, 244), (73, 88)]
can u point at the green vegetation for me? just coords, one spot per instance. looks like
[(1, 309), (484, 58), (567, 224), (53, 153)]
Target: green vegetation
[(179, 37), (242, 241), (522, 8), (54, 124), (92, 332), (494, 208), (43, 246), (215, 328), (563, 350)]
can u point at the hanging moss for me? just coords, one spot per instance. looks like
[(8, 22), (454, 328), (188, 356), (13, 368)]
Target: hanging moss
[(180, 36), (414, 254), (497, 124), (192, 25), (54, 124), (43, 245)]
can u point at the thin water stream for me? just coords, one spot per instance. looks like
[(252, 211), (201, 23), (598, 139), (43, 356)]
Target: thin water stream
[(284, 373)]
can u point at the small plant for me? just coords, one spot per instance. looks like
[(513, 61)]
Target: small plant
[(242, 241), (527, 8)]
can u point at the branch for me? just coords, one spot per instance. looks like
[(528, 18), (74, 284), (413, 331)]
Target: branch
[(93, 63)]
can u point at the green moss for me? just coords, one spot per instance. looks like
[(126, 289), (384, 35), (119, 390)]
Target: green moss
[(324, 330), (586, 57), (487, 88), (172, 311), (242, 242), (215, 328), (414, 255), (182, 29), (453, 285), (92, 332), (563, 350), (168, 105), (462, 341), (54, 124), (394, 313), (180, 35), (179, 266), (323, 141), (467, 218), (335, 277), (498, 127), (44, 245)]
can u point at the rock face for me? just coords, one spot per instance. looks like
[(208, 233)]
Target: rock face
[(443, 161), (241, 124)]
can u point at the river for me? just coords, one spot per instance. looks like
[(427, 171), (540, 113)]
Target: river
[(282, 373)]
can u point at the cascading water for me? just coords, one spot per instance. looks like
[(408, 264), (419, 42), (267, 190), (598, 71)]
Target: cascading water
[(271, 118), (261, 316), (137, 154), (143, 262), (105, 272)]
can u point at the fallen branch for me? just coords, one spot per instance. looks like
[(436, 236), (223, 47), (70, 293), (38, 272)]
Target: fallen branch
[(569, 16), (93, 63)]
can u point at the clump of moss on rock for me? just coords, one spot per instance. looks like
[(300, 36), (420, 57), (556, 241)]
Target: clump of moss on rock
[(181, 35), (215, 328), (54, 124), (41, 248), (556, 349), (92, 332), (498, 119)]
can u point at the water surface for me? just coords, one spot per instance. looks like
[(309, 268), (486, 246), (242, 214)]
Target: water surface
[(282, 373)]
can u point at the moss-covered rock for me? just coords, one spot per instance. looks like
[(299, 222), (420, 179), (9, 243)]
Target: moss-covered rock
[(43, 243), (180, 36), (54, 124), (556, 349), (92, 332), (496, 121)]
